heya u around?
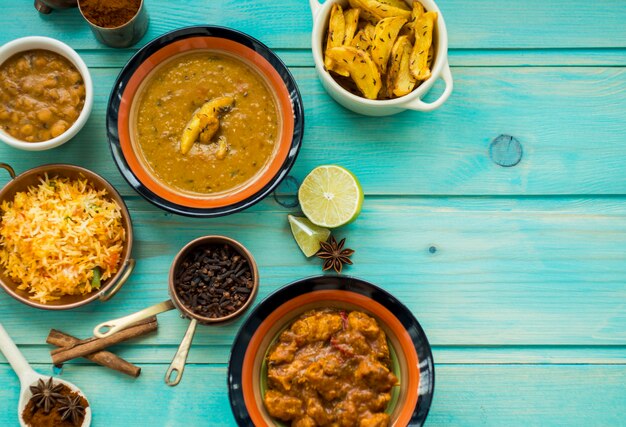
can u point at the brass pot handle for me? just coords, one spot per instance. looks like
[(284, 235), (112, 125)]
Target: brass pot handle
[(8, 169), (110, 327), (178, 363), (104, 295)]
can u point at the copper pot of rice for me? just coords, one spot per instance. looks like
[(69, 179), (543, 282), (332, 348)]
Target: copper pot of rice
[(79, 253)]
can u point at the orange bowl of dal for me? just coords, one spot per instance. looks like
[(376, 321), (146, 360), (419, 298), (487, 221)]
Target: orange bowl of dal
[(168, 83)]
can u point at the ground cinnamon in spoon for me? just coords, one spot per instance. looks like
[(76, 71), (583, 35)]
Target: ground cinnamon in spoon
[(36, 417), (109, 13)]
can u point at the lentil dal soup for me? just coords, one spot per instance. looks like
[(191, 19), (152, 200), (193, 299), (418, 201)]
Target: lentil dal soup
[(171, 94)]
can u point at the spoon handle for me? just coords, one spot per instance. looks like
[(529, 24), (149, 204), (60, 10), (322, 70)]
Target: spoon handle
[(14, 356), (105, 329), (178, 363)]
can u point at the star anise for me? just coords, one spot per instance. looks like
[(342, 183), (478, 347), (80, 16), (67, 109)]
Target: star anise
[(334, 254), (45, 394), (72, 408)]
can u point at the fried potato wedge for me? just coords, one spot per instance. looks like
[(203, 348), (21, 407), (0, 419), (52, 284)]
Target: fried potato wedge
[(362, 68), (404, 81), (336, 27), (400, 4), (204, 120), (423, 28), (416, 11), (385, 35), (335, 37), (375, 10), (370, 30), (361, 41), (431, 56), (407, 30), (394, 65), (351, 18)]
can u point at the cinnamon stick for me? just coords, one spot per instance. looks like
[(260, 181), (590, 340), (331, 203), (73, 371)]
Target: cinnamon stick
[(103, 358), (92, 345)]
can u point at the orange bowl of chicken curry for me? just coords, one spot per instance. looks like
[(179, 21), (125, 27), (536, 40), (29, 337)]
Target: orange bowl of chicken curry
[(331, 351)]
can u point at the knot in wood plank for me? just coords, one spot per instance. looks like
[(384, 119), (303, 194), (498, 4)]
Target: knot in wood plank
[(505, 150)]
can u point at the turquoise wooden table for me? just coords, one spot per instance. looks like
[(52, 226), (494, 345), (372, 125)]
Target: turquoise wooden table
[(517, 274)]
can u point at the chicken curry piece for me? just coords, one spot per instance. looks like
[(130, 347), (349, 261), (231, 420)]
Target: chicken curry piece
[(330, 368)]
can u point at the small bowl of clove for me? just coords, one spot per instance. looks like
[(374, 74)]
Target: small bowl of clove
[(212, 280)]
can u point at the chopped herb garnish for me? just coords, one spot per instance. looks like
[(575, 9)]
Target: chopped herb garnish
[(97, 276)]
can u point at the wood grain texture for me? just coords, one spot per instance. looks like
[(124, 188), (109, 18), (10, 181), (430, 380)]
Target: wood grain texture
[(518, 275), (505, 271), (475, 24), (569, 121), (465, 395)]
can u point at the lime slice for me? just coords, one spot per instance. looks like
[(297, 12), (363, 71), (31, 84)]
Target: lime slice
[(308, 235), (330, 196)]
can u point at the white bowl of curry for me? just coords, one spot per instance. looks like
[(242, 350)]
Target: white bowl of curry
[(205, 121), (46, 93)]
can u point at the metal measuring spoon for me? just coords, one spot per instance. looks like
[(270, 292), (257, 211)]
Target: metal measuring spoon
[(175, 371), (28, 377), (110, 327)]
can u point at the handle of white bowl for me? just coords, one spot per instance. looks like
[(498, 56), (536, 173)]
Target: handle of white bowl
[(315, 7), (110, 327), (178, 363), (419, 105), (14, 356)]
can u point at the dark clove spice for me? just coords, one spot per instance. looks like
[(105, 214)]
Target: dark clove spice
[(213, 280)]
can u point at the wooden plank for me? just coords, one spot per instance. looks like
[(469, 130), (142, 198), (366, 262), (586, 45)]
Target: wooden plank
[(475, 271), (529, 396), (142, 351), (530, 57), (569, 122), (287, 24), (465, 395)]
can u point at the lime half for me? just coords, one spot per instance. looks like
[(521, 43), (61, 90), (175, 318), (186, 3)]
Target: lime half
[(308, 235), (330, 196)]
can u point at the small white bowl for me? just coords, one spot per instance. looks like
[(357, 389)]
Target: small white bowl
[(373, 107), (47, 43)]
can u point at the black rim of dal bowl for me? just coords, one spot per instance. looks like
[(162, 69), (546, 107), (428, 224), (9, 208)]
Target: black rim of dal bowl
[(331, 282), (204, 31)]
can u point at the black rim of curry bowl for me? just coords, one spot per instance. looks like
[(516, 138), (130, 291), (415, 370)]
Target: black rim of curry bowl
[(331, 282), (180, 34)]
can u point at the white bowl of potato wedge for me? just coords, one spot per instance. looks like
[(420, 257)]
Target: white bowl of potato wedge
[(380, 57)]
